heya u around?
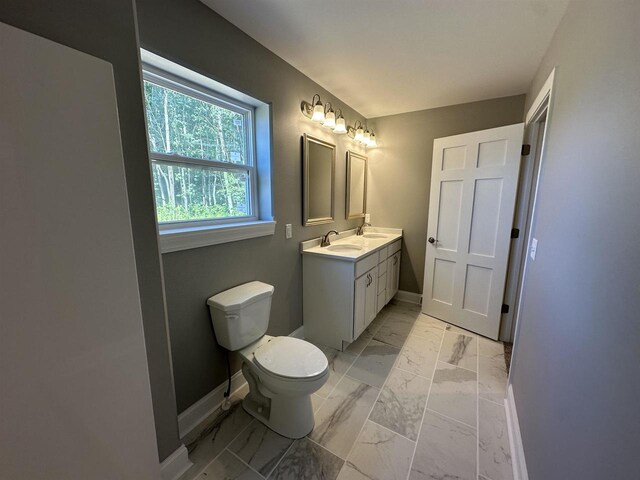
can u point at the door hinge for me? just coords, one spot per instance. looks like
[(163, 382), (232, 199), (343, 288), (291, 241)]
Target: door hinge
[(515, 233), (505, 308), (526, 150)]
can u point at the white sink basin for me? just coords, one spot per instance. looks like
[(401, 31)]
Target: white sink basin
[(375, 235), (344, 247)]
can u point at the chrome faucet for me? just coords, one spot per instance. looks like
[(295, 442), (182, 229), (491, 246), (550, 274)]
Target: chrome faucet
[(325, 238), (360, 230)]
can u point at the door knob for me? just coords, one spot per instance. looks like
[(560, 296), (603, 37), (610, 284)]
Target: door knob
[(432, 240)]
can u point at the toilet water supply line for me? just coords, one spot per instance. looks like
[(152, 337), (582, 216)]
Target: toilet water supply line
[(226, 403)]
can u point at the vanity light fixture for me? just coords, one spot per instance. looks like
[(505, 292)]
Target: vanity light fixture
[(359, 132), (318, 111), (362, 135), (334, 120), (366, 138), (329, 116), (341, 125), (313, 110)]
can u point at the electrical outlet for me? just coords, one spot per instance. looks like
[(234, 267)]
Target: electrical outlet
[(367, 217), (533, 249), (287, 230)]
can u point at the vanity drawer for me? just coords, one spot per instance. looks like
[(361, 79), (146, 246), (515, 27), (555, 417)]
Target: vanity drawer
[(382, 283), (366, 264), (383, 254), (382, 268), (395, 247)]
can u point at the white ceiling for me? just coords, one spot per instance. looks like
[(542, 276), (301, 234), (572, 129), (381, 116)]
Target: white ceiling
[(391, 56)]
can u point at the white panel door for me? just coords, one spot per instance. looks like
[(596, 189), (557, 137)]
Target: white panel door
[(473, 191), (75, 398)]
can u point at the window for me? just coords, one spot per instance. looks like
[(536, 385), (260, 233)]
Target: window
[(202, 145), (201, 153)]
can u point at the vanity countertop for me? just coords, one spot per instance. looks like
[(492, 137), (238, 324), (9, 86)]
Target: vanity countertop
[(351, 247)]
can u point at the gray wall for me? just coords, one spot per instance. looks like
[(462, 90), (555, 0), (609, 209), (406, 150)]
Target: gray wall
[(192, 35), (107, 30), (400, 169), (576, 364)]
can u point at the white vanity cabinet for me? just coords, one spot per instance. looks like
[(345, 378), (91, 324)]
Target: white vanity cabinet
[(381, 299), (393, 271), (342, 294), (365, 303)]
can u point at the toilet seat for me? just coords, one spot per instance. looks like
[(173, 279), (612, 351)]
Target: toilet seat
[(291, 358)]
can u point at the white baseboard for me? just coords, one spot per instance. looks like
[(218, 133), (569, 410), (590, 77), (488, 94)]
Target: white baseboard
[(196, 413), (515, 440), (408, 297), (175, 464)]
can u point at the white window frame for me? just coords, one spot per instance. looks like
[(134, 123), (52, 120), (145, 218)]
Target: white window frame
[(186, 234)]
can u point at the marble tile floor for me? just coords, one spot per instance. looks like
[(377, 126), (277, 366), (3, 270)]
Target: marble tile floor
[(413, 399)]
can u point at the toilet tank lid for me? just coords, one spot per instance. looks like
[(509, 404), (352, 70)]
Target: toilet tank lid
[(240, 296)]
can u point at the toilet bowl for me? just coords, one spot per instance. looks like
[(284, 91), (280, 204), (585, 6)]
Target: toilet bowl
[(282, 372)]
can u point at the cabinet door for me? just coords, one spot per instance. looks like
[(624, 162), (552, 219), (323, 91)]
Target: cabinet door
[(389, 288), (365, 307), (382, 299), (371, 305), (393, 275), (359, 305)]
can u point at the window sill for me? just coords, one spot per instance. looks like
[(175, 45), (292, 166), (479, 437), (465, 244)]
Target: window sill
[(186, 238)]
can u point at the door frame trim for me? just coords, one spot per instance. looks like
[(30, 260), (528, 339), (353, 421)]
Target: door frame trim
[(527, 186), (544, 94), (542, 105)]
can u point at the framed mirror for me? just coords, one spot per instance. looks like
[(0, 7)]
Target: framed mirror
[(356, 185), (319, 163)]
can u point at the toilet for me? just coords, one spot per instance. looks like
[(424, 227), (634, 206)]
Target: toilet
[(282, 372)]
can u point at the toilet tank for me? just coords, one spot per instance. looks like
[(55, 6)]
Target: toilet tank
[(240, 315)]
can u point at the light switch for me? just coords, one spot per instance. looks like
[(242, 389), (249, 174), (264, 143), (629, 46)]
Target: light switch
[(533, 249), (287, 230)]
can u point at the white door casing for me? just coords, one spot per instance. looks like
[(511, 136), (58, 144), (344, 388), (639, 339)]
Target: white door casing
[(473, 190)]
